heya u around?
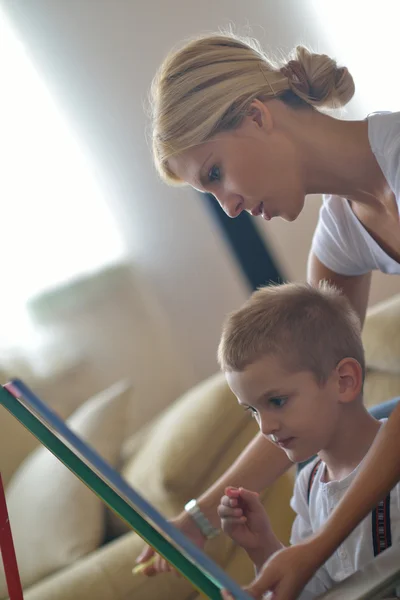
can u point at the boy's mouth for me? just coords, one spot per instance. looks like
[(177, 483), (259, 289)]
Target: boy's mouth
[(283, 442)]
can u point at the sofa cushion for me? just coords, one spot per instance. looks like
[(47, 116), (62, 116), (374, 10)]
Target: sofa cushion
[(186, 441), (55, 518), (380, 386), (381, 336)]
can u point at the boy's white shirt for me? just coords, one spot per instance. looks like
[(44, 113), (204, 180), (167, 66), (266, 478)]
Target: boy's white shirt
[(357, 550)]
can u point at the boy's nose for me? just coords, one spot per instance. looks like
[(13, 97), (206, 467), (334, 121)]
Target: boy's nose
[(269, 426)]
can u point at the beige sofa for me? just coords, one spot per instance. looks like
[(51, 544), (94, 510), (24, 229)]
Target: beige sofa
[(177, 456)]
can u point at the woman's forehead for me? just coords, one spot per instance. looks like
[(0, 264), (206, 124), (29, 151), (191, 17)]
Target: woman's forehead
[(190, 164)]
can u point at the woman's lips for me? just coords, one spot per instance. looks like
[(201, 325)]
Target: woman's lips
[(259, 210)]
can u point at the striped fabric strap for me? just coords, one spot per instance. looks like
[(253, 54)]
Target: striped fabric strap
[(380, 518), (311, 479), (381, 527)]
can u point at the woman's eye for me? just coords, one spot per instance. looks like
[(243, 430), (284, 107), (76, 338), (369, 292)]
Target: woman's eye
[(278, 402), (214, 174)]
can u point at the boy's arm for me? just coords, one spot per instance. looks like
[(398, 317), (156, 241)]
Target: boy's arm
[(245, 521), (260, 557), (301, 530), (257, 467)]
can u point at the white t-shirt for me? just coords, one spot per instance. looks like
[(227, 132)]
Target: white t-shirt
[(357, 550), (340, 241)]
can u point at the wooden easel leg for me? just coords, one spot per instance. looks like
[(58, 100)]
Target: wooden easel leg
[(8, 551)]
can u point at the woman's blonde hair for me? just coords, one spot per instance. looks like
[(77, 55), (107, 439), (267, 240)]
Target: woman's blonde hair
[(306, 328), (208, 85)]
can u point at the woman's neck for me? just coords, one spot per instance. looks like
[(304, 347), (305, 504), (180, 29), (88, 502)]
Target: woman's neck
[(337, 157)]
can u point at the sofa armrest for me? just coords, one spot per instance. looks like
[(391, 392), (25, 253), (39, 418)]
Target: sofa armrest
[(106, 574)]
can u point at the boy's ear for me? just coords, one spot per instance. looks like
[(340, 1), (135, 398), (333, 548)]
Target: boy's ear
[(350, 379)]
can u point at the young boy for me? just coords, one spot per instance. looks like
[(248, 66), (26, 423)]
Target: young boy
[(293, 357)]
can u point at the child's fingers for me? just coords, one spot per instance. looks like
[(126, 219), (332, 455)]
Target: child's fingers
[(149, 571), (250, 499), (228, 501), (146, 568), (230, 523), (226, 595), (232, 496), (160, 564), (146, 555), (165, 567), (226, 512)]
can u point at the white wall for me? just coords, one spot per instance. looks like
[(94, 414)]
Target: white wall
[(98, 57)]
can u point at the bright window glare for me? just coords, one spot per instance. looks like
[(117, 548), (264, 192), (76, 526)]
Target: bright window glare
[(364, 36), (55, 221), (55, 224)]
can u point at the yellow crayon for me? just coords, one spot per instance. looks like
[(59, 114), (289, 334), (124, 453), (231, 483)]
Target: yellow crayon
[(142, 566)]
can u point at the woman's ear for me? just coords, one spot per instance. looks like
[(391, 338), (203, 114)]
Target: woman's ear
[(350, 379), (260, 115)]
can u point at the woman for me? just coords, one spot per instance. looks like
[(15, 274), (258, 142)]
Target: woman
[(231, 123)]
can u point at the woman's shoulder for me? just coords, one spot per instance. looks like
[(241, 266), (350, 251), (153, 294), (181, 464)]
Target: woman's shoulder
[(384, 131), (384, 136), (335, 214), (338, 241)]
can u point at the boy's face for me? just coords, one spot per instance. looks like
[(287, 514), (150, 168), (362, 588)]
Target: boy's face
[(291, 409)]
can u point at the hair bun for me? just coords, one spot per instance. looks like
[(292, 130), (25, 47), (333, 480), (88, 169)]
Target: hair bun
[(317, 79)]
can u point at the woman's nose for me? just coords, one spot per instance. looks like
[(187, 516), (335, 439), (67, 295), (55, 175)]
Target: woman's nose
[(232, 204)]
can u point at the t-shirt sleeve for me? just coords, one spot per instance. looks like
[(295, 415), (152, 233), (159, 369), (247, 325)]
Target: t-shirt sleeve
[(386, 147), (302, 529), (336, 242)]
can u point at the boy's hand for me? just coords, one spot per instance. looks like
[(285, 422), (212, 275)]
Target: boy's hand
[(244, 519)]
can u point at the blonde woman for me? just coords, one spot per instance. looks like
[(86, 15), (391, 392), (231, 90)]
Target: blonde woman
[(230, 122)]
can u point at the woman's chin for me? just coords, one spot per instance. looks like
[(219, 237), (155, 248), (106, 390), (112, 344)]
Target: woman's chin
[(290, 217), (293, 213)]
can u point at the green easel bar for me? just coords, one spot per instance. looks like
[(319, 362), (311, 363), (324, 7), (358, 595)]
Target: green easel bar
[(199, 579)]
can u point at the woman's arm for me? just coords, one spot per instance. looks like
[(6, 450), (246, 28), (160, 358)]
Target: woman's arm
[(356, 288), (379, 473)]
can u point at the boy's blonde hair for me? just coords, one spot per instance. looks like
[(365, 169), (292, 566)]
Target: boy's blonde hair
[(307, 328), (208, 85)]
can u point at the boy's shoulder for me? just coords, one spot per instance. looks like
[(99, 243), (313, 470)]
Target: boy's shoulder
[(308, 471), (305, 479)]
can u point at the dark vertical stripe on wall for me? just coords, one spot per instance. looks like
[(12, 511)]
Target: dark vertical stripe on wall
[(249, 248)]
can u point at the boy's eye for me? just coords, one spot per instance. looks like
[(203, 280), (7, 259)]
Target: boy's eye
[(214, 174), (252, 411), (278, 402)]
